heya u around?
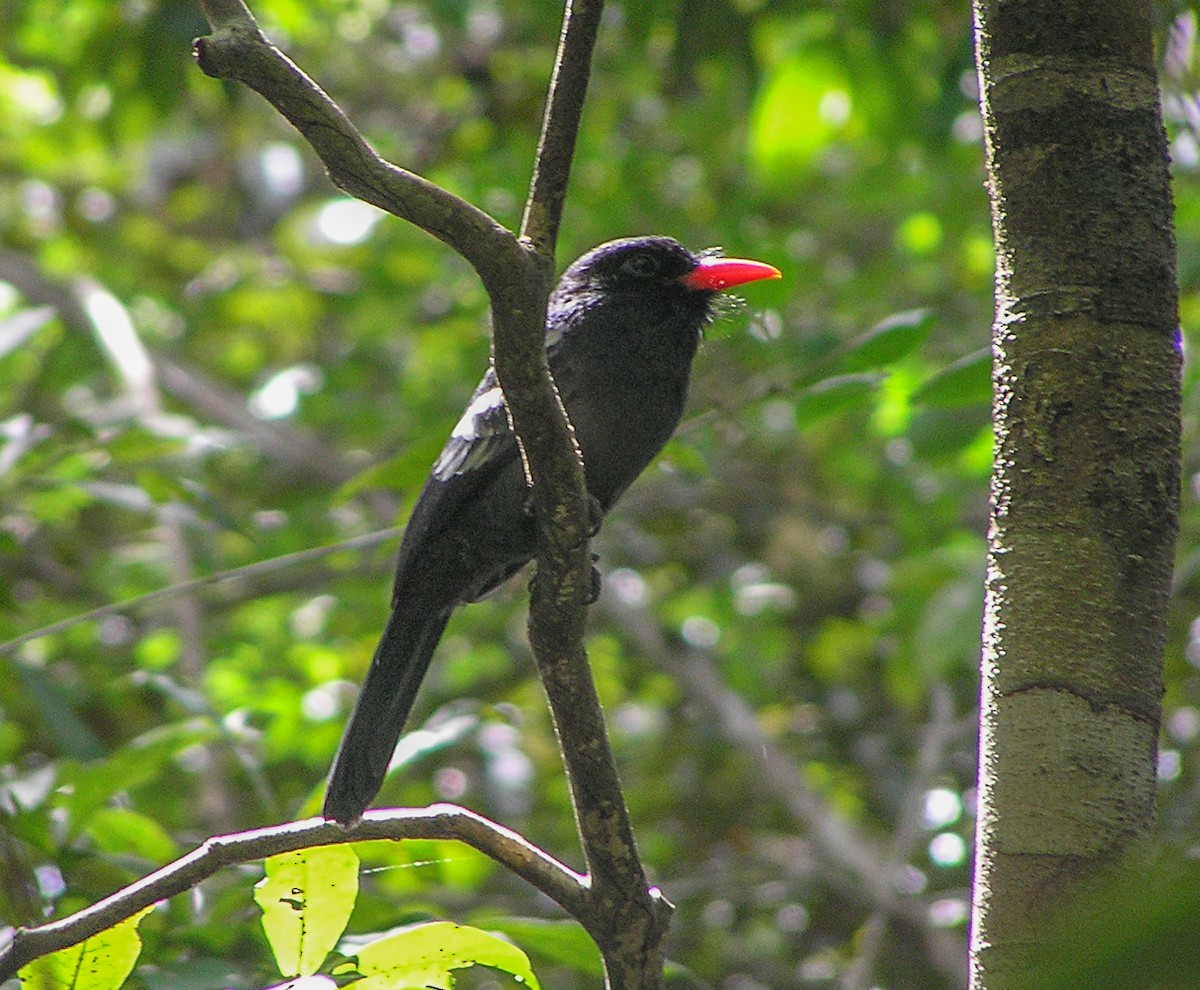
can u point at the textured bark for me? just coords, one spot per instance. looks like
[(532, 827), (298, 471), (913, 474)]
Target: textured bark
[(1085, 487)]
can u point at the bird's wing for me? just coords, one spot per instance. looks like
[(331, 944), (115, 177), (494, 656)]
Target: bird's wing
[(481, 436), (481, 452)]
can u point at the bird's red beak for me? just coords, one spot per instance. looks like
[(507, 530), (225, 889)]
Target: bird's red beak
[(716, 274)]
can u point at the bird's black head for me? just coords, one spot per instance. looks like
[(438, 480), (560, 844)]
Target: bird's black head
[(632, 264), (656, 275)]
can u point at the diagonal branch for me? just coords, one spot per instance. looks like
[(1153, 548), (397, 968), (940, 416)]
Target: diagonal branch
[(246, 572), (238, 50), (625, 916), (440, 821), (564, 107), (855, 865)]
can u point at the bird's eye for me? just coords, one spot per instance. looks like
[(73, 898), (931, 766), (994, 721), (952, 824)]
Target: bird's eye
[(640, 265)]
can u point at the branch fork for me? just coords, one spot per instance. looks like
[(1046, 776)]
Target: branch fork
[(613, 901)]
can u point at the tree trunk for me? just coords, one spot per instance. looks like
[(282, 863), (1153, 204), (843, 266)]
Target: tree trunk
[(1086, 481)]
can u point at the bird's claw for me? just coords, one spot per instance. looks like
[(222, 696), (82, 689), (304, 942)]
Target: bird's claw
[(592, 595), (595, 515), (595, 512)]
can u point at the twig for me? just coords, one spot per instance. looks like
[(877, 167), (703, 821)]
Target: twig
[(624, 915), (564, 107), (173, 591), (439, 821), (628, 918), (238, 50), (855, 865)]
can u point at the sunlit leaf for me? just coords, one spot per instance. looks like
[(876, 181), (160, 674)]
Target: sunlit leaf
[(804, 104), (426, 957), (99, 963), (920, 233), (562, 942), (306, 900)]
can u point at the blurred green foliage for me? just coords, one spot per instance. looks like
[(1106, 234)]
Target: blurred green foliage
[(209, 358)]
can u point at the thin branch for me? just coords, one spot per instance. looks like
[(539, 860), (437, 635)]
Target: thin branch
[(628, 919), (855, 865), (560, 125), (631, 916), (173, 591), (440, 821), (238, 50)]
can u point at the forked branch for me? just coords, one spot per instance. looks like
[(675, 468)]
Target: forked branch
[(439, 821)]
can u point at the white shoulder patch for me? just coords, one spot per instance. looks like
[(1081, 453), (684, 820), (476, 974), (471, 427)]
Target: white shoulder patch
[(477, 436)]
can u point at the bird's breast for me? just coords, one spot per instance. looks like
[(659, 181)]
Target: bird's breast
[(622, 417)]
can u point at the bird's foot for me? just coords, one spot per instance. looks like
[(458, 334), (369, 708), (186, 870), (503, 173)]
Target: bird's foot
[(595, 515), (595, 512), (593, 592)]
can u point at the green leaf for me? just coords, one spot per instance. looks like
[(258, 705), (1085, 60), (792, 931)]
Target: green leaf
[(939, 434), (684, 458), (840, 648), (835, 395), (136, 445), (946, 639), (562, 942), (404, 473), (424, 957), (1136, 928), (885, 343), (88, 786), (99, 963), (306, 900), (70, 733), (123, 831), (966, 382)]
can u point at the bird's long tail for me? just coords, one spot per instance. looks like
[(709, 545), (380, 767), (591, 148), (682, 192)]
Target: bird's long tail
[(397, 669)]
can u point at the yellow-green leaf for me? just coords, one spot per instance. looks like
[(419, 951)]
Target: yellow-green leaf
[(424, 957), (101, 962), (306, 899), (804, 105)]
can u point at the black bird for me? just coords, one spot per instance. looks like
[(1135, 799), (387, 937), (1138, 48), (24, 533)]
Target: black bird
[(622, 328)]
